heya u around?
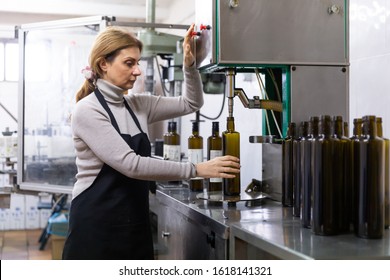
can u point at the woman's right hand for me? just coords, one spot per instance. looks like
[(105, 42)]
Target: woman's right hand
[(219, 167)]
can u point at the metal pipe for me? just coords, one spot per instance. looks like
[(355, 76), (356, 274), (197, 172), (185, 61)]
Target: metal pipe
[(229, 89), (151, 11)]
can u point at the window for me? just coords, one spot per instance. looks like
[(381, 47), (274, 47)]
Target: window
[(9, 61), (2, 62)]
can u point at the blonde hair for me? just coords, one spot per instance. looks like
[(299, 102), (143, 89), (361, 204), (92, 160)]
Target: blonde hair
[(106, 46)]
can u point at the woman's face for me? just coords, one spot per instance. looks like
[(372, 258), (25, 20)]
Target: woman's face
[(124, 69)]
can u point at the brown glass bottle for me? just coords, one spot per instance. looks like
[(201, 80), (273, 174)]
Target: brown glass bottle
[(231, 146), (346, 129), (306, 172), (303, 127), (195, 155), (370, 192), (344, 175), (287, 166), (214, 149), (172, 143), (324, 163), (387, 170), (355, 162)]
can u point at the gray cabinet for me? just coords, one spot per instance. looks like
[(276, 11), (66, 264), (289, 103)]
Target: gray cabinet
[(186, 234)]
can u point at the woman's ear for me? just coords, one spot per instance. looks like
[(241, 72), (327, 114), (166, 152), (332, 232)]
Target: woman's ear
[(103, 64)]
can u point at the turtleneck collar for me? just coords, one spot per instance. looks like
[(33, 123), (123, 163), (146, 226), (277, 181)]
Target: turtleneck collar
[(111, 92)]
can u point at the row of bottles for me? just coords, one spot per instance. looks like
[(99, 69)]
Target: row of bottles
[(335, 183), (228, 144)]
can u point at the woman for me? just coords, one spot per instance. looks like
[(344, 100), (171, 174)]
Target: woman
[(109, 215)]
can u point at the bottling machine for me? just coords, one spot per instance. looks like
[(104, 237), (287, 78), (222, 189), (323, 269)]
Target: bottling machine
[(301, 48)]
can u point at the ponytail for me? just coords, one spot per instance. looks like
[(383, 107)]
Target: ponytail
[(87, 88)]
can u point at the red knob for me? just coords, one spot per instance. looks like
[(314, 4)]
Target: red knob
[(195, 33), (204, 27)]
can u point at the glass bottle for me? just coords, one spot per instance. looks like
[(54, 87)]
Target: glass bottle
[(297, 169), (171, 147), (231, 146), (344, 173), (324, 165), (195, 155), (306, 172), (346, 129), (355, 139), (214, 149), (387, 169), (287, 166), (370, 192)]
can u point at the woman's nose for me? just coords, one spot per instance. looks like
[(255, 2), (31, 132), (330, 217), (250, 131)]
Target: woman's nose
[(137, 70)]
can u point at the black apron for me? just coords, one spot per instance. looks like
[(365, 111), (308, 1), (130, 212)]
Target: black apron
[(110, 219)]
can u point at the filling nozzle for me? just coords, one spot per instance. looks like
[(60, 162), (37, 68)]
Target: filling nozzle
[(230, 88)]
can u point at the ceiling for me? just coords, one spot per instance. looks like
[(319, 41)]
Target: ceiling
[(18, 12)]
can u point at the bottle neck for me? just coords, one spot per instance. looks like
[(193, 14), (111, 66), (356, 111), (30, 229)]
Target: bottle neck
[(357, 127), (230, 124), (379, 129), (195, 128), (215, 129), (325, 126), (172, 127), (338, 127), (314, 126), (305, 129), (369, 126), (291, 133)]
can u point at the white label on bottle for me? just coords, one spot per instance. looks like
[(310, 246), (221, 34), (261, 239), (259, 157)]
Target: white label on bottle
[(172, 152), (195, 156), (214, 154)]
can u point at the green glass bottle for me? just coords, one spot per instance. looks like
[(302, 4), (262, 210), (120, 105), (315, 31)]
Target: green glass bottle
[(346, 129), (387, 170), (287, 166), (306, 172), (297, 185), (355, 162), (214, 149), (231, 146), (344, 173), (370, 192), (171, 147), (324, 182), (195, 155)]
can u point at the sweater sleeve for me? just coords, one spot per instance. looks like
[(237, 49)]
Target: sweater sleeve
[(161, 108), (97, 140)]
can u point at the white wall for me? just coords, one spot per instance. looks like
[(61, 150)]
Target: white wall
[(370, 60)]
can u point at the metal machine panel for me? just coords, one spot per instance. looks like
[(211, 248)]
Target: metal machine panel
[(319, 90), (272, 170), (256, 32)]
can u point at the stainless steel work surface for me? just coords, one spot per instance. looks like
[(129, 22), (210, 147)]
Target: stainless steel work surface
[(282, 236), (216, 215), (271, 228)]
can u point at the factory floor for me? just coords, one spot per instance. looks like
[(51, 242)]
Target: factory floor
[(23, 245)]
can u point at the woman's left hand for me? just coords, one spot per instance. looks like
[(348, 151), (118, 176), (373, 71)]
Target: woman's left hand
[(188, 47)]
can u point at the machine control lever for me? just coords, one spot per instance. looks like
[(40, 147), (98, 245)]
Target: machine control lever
[(257, 103)]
